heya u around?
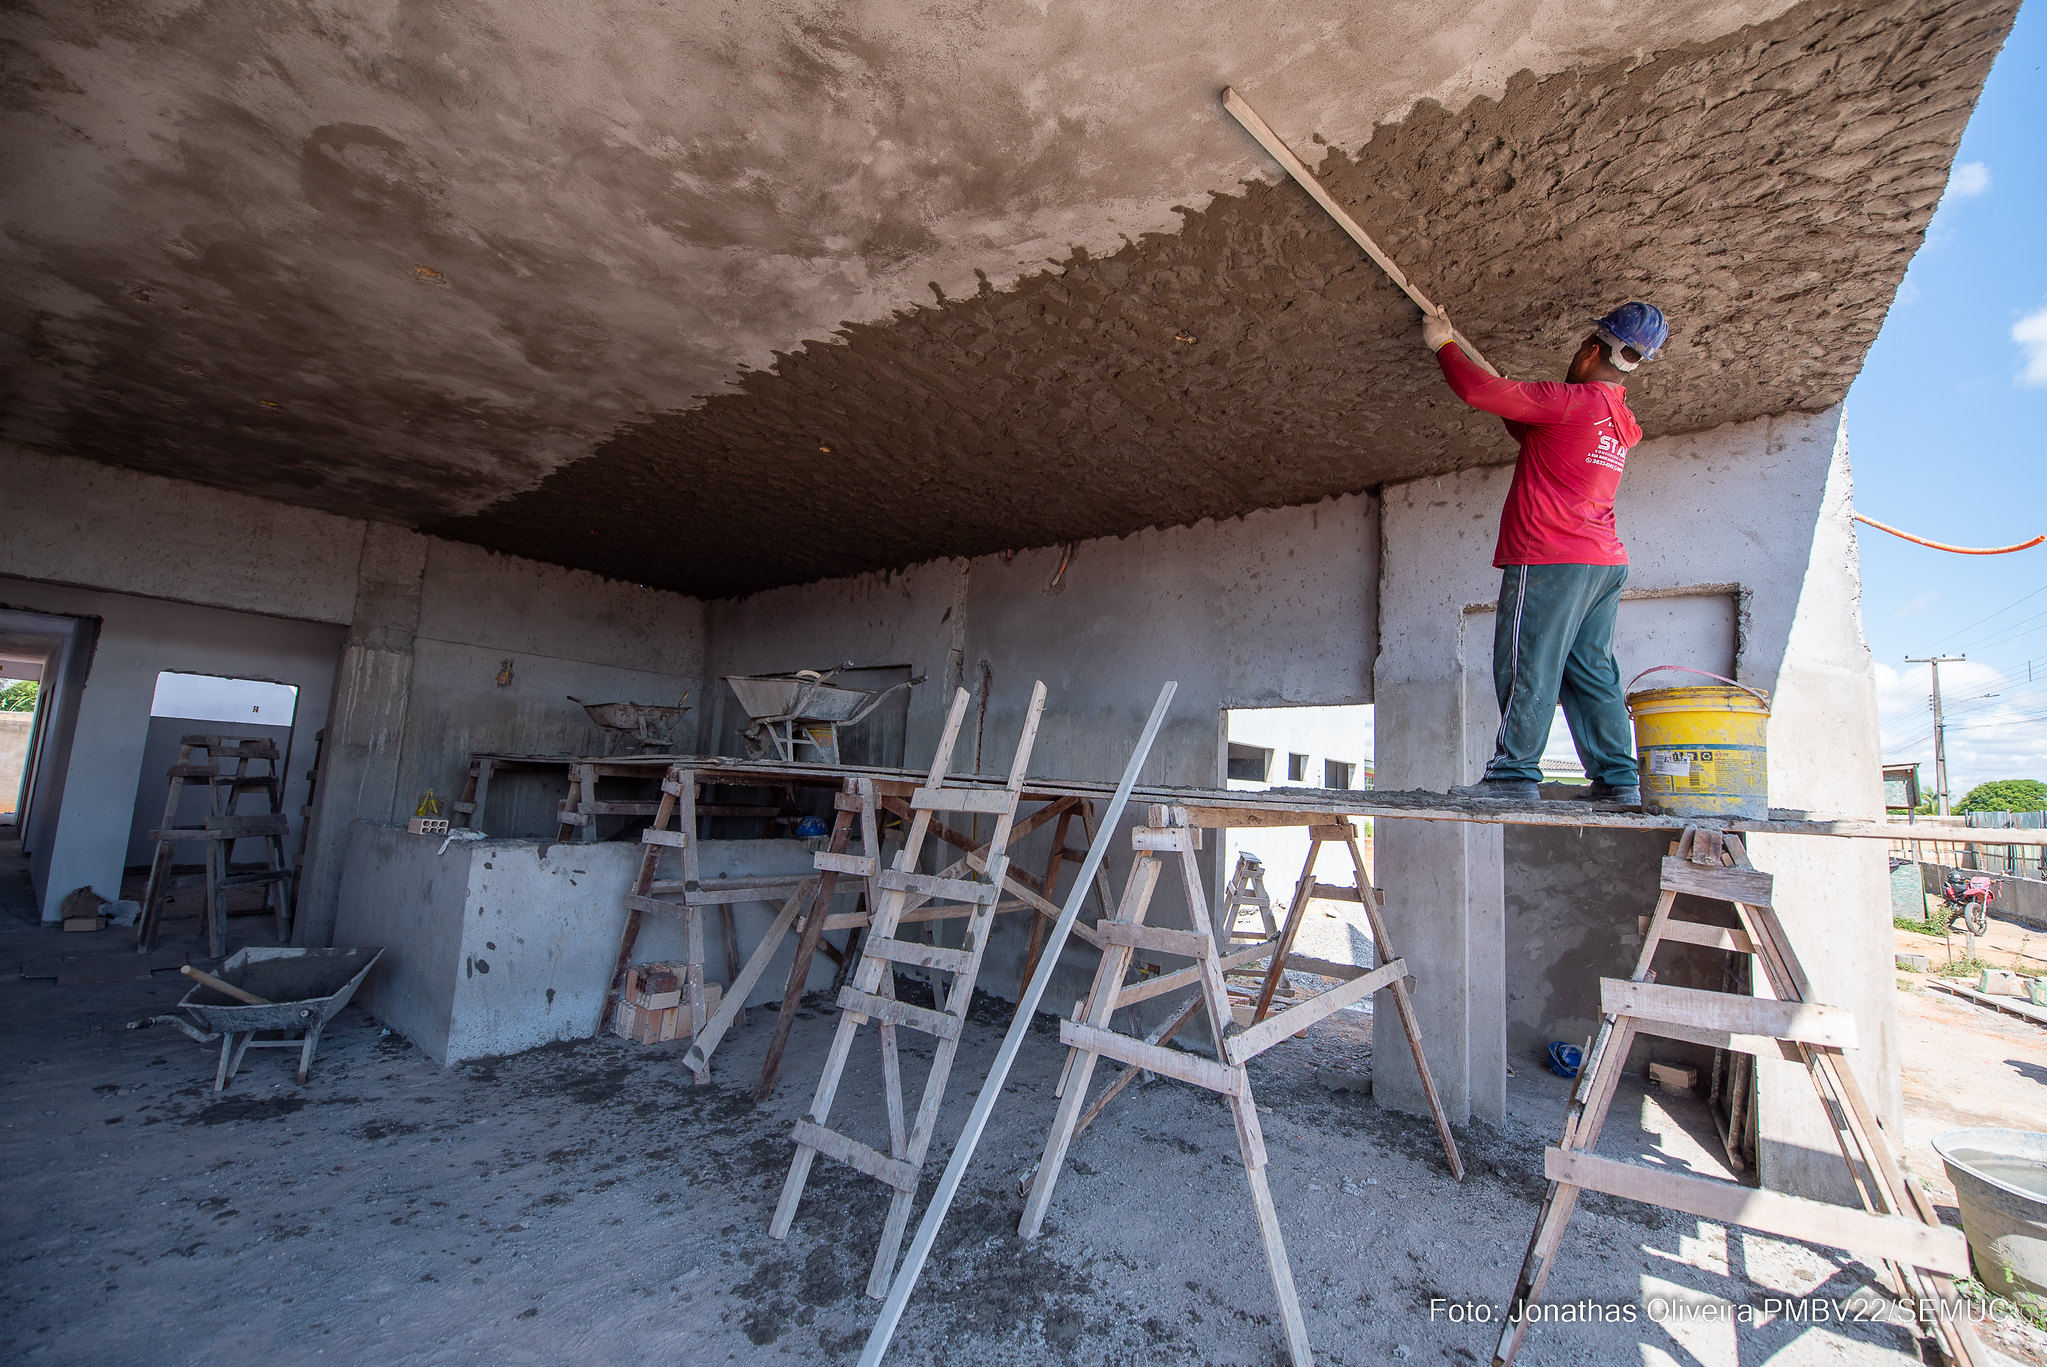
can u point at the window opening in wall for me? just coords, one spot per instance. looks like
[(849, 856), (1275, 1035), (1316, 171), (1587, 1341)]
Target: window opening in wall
[(213, 705), (208, 697), (1248, 764), (1333, 744)]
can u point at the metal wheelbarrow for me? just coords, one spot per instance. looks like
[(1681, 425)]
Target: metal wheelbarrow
[(302, 989), (651, 727), (803, 711)]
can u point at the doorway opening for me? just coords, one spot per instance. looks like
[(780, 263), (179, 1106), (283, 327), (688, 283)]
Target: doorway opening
[(202, 704), (1301, 747)]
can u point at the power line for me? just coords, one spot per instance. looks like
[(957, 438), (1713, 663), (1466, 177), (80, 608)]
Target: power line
[(1999, 613)]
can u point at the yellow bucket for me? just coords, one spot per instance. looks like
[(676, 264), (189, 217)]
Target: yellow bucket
[(1702, 748)]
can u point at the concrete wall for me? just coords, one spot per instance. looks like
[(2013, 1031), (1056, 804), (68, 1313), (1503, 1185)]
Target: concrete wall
[(1761, 506), (138, 638), (1274, 609), (502, 945), (407, 636)]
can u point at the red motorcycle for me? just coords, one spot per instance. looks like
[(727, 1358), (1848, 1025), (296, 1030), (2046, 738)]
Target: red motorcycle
[(1967, 899)]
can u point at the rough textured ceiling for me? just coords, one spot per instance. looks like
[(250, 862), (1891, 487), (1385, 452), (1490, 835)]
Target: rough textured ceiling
[(495, 273)]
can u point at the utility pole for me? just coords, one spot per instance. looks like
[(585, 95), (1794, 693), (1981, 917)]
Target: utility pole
[(1939, 724)]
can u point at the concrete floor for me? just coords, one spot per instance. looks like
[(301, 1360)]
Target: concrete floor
[(583, 1203)]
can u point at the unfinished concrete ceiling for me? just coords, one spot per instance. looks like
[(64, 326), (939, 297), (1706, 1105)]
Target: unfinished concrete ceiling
[(600, 283)]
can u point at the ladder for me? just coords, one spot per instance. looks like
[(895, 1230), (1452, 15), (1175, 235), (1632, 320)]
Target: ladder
[(675, 830), (871, 994), (1897, 1223), (1088, 1036), (200, 758), (1247, 893)]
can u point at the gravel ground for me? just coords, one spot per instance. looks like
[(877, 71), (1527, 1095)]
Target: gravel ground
[(583, 1202)]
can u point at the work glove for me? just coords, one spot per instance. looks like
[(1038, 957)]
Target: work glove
[(1436, 330)]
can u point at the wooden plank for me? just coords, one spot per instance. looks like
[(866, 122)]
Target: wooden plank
[(919, 955), (1153, 1058), (243, 827), (653, 835), (1172, 839), (859, 865), (619, 808), (1241, 1048), (986, 801), (1937, 1248), (1324, 968), (654, 906), (1185, 943), (1759, 1045), (949, 889), (1751, 886), (1334, 892), (1805, 1022), (1339, 832), (720, 892), (1204, 817), (943, 1024), (1132, 993), (1695, 933), (854, 1154), (563, 816)]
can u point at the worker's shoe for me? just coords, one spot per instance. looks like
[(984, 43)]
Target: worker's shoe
[(1619, 795), (1507, 789)]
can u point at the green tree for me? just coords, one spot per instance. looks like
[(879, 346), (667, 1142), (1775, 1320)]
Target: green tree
[(19, 696), (2006, 795)]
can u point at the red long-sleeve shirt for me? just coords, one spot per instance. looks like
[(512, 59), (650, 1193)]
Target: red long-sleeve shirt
[(1574, 444)]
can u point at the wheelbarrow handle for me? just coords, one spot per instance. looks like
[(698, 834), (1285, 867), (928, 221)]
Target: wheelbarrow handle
[(875, 700)]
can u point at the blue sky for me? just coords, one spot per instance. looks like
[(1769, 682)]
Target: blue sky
[(1947, 428)]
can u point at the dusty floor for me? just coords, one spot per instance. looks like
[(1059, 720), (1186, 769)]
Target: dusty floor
[(583, 1203)]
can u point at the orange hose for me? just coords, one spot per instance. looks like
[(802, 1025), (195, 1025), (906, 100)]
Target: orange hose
[(1943, 546)]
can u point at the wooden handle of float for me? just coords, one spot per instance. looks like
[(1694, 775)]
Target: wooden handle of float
[(1298, 169), (224, 987)]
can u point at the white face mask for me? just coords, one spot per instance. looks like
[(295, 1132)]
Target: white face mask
[(1615, 347)]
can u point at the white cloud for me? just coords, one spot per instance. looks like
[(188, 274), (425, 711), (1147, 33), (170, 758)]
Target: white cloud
[(1987, 737), (2030, 332), (1968, 180)]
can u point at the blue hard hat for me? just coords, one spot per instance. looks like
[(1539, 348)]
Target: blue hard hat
[(810, 826), (1637, 326)]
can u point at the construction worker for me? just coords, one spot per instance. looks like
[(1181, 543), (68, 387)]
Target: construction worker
[(1561, 564)]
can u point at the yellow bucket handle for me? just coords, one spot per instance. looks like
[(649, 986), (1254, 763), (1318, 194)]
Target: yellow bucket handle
[(1759, 696)]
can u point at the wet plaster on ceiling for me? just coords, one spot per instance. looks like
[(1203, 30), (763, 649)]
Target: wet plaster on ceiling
[(481, 270), (1768, 191)]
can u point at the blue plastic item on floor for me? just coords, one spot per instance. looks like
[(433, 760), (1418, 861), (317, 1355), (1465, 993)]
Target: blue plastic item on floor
[(1565, 1058)]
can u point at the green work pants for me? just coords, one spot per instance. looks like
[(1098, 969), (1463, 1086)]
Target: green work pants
[(1553, 643)]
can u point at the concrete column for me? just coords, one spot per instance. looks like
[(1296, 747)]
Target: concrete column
[(1826, 756), (366, 724), (1445, 907)]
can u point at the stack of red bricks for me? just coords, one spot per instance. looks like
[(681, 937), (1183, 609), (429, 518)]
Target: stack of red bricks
[(650, 1009)]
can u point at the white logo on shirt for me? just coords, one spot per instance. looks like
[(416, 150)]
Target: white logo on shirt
[(1608, 453)]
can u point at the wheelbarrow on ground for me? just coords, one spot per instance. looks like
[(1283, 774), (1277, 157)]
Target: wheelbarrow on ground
[(301, 990), (650, 727), (803, 712)]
